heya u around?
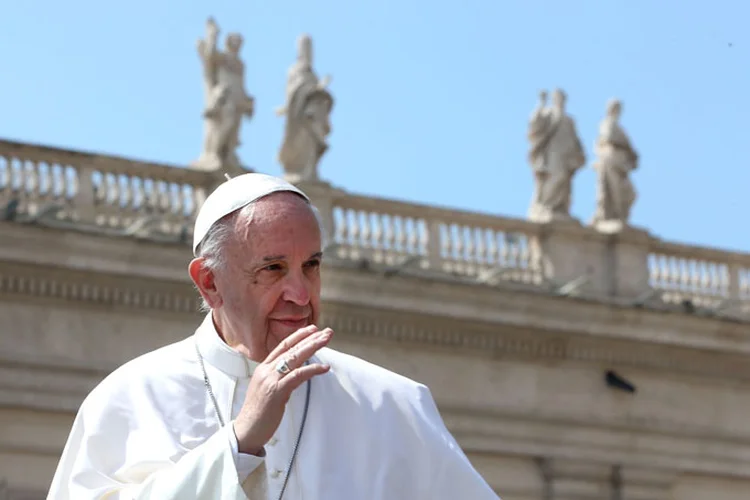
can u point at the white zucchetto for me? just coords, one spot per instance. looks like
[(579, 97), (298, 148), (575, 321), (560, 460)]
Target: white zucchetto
[(234, 194)]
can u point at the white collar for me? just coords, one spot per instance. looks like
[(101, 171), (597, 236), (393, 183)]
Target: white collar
[(217, 353)]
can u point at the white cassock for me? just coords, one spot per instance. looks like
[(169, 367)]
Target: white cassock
[(150, 431)]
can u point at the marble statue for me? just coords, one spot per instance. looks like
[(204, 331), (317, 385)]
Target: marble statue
[(555, 155), (226, 101), (307, 109), (616, 159)]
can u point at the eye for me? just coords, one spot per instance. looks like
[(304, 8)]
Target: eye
[(273, 268), (312, 263)]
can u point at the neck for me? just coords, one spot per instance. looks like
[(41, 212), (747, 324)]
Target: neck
[(230, 337)]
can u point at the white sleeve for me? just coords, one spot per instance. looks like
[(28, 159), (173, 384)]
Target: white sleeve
[(208, 471), (244, 463)]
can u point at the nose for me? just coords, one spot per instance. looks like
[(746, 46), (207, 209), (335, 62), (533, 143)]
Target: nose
[(297, 289)]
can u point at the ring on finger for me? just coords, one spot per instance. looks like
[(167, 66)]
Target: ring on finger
[(283, 367)]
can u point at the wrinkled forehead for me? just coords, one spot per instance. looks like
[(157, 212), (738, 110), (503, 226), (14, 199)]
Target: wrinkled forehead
[(283, 213), (281, 205)]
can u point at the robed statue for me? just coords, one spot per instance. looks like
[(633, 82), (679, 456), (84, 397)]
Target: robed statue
[(307, 109), (555, 155), (226, 101), (616, 159)]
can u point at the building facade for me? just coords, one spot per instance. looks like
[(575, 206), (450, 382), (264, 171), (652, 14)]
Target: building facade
[(570, 363)]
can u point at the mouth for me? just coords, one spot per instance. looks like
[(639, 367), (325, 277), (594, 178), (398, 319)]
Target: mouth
[(293, 323)]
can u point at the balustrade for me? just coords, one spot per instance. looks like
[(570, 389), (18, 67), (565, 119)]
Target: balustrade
[(127, 197), (437, 239), (707, 277), (107, 192)]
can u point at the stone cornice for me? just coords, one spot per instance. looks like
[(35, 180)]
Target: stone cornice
[(598, 442), (525, 307), (93, 252), (478, 328), (97, 288), (528, 343)]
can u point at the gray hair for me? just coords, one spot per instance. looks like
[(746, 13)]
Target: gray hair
[(212, 248)]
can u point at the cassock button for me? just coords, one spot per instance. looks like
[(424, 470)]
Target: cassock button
[(276, 473), (272, 441)]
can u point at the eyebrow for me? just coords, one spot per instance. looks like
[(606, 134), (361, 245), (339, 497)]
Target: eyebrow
[(269, 258)]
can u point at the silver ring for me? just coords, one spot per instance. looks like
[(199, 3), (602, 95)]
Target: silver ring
[(283, 367)]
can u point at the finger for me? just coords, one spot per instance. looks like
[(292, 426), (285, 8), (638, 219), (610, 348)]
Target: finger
[(291, 341), (300, 353), (297, 377)]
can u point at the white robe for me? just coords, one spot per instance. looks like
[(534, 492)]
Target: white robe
[(149, 431)]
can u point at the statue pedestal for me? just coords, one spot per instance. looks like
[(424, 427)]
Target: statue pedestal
[(613, 263)]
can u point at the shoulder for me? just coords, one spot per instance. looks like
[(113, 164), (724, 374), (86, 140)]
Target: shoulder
[(370, 379), (146, 377)]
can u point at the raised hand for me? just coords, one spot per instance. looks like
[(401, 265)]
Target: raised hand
[(272, 384)]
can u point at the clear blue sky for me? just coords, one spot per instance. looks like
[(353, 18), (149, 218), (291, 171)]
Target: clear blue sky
[(432, 97)]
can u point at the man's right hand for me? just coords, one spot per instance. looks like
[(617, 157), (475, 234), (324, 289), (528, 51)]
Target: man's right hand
[(269, 390)]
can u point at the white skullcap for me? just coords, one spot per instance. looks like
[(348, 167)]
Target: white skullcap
[(234, 194)]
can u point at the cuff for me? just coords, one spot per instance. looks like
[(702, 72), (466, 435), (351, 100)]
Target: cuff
[(244, 463)]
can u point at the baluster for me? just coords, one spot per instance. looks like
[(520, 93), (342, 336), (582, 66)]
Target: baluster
[(113, 199), (493, 249), (32, 186), (69, 188), (401, 234), (674, 277), (412, 241), (339, 235), (187, 210), (164, 198), (354, 228), (697, 268), (390, 238), (44, 186), (467, 235), (709, 283), (424, 241), (127, 199), (4, 175), (445, 246), (654, 271), (55, 174), (480, 235), (377, 232), (459, 247), (366, 233)]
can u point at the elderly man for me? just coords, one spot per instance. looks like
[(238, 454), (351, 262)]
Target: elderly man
[(254, 405)]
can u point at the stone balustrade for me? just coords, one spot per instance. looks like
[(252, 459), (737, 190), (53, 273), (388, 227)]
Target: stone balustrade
[(85, 190), (117, 196), (433, 238), (498, 249), (707, 277)]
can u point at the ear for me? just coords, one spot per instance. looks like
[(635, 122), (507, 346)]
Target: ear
[(205, 281)]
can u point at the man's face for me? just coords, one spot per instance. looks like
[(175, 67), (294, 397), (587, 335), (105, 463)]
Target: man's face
[(270, 286)]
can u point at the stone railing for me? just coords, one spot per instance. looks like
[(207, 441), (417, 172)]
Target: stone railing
[(432, 238), (495, 249), (105, 193), (706, 277), (117, 196)]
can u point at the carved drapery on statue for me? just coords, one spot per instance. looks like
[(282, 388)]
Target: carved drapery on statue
[(616, 159), (307, 109), (226, 102), (555, 155)]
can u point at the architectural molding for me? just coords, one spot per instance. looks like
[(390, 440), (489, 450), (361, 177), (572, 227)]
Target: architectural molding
[(96, 288), (498, 338), (639, 450)]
